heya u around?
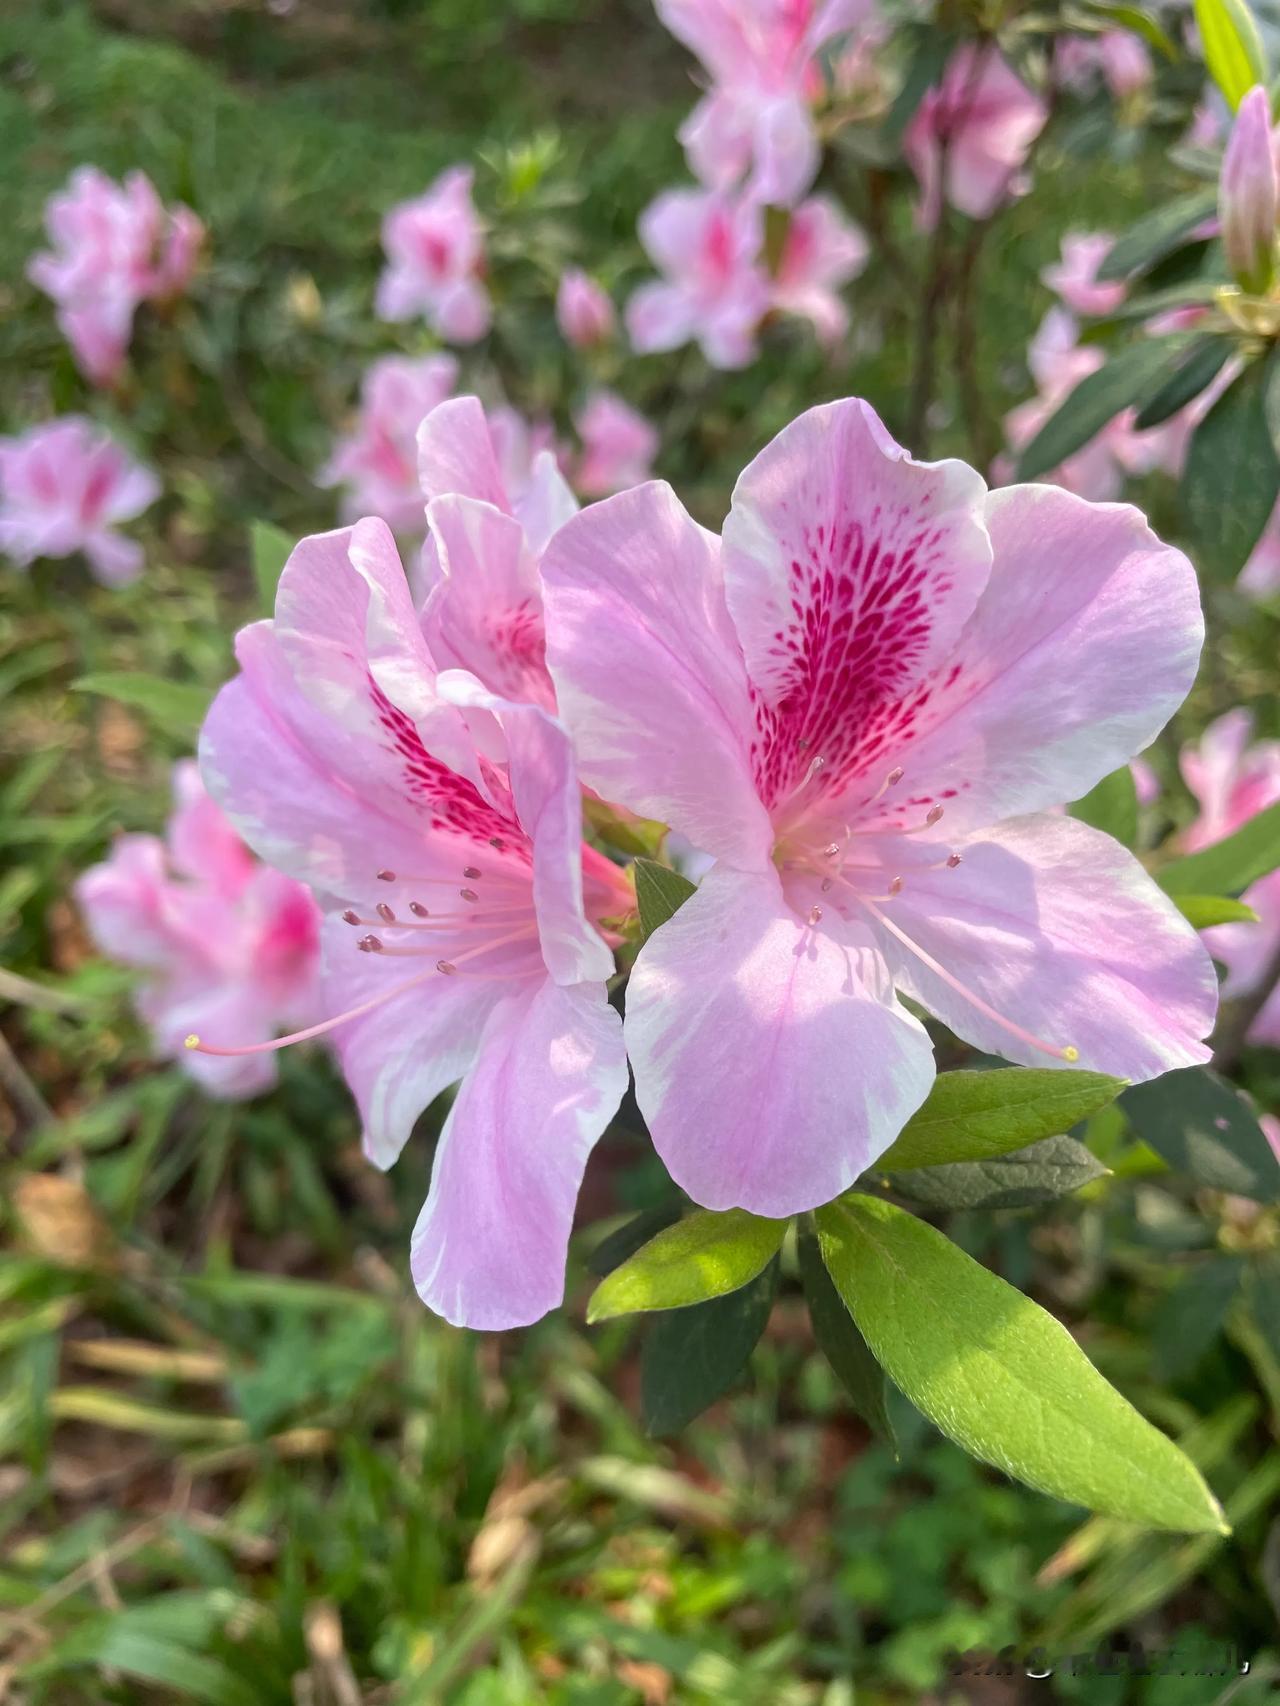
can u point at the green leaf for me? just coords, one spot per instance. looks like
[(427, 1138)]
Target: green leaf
[(1230, 865), (1203, 363), (623, 829), (998, 1375), (692, 1356), (660, 893), (1190, 1316), (971, 1115), (704, 1255), (1203, 1127), (1232, 476), (269, 548), (1096, 399), (1205, 910), (178, 707), (1233, 49), (1271, 399), (926, 66), (625, 1240), (1133, 18), (1111, 806), (1040, 1173), (842, 1344), (116, 1643), (1157, 233), (1262, 1297)]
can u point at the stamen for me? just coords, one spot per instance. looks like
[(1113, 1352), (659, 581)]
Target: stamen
[(194, 1043), (418, 910), (1068, 1054), (447, 967), (933, 815), (386, 876), (370, 945), (470, 873), (350, 917), (385, 913), (468, 894), (815, 915), (953, 860)]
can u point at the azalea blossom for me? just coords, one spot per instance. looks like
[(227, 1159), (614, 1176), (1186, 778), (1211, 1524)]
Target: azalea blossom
[(1260, 577), (114, 246), (715, 289), (755, 123), (618, 446), (65, 486), (1074, 278), (1233, 778), (584, 311), (377, 461), (1119, 57), (863, 704), (439, 825), (821, 251), (226, 946), (970, 136), (435, 258), (1249, 194)]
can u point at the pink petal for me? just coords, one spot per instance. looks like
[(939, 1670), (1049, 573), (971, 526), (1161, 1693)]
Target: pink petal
[(1083, 645), (1059, 929), (773, 1065), (648, 672), (456, 454), (850, 570), (490, 1244)]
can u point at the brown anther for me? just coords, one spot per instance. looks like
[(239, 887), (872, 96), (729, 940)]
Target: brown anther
[(470, 873), (350, 917), (417, 909), (933, 814), (369, 945), (953, 861), (447, 967), (385, 913), (815, 915), (468, 894), (895, 887), (386, 876), (497, 842)]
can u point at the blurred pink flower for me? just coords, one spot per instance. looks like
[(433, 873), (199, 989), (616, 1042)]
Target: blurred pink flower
[(971, 135), (229, 948), (1118, 56), (618, 446), (1233, 779), (1074, 278), (1146, 784), (377, 461), (715, 290), (584, 311), (435, 257), (822, 250), (114, 246), (64, 487), (1249, 194), (440, 824), (862, 701), (1260, 577), (1270, 1124), (755, 122)]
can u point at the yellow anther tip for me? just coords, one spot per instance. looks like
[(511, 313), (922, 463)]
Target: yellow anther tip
[(192, 1041), (1070, 1053)]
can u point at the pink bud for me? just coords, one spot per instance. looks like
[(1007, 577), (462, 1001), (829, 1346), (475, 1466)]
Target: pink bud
[(1249, 194), (583, 310)]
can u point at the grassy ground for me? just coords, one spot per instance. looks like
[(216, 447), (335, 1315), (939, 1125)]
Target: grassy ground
[(241, 1465)]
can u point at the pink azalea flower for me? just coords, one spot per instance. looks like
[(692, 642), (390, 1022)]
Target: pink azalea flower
[(1233, 780), (715, 289), (114, 246), (483, 608), (1260, 577), (435, 255), (1118, 56), (971, 135), (584, 311), (378, 460), (1249, 194), (440, 825), (228, 947), (863, 704), (1270, 1124), (821, 252), (762, 56), (1074, 278), (64, 487), (618, 446)]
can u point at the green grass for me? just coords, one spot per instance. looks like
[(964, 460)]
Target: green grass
[(242, 1466)]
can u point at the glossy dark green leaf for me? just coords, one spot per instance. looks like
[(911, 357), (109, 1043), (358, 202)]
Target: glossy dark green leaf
[(1230, 865), (1111, 806), (1157, 233), (1232, 477), (1203, 363), (1040, 1173), (1190, 1316), (1097, 399), (1203, 1127), (841, 1343), (626, 1239), (692, 1356), (1139, 22), (660, 893), (177, 707), (269, 548), (999, 1375), (1271, 399), (968, 1116)]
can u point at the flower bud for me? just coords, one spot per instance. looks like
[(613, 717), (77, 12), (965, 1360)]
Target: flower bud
[(1249, 195), (583, 310)]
